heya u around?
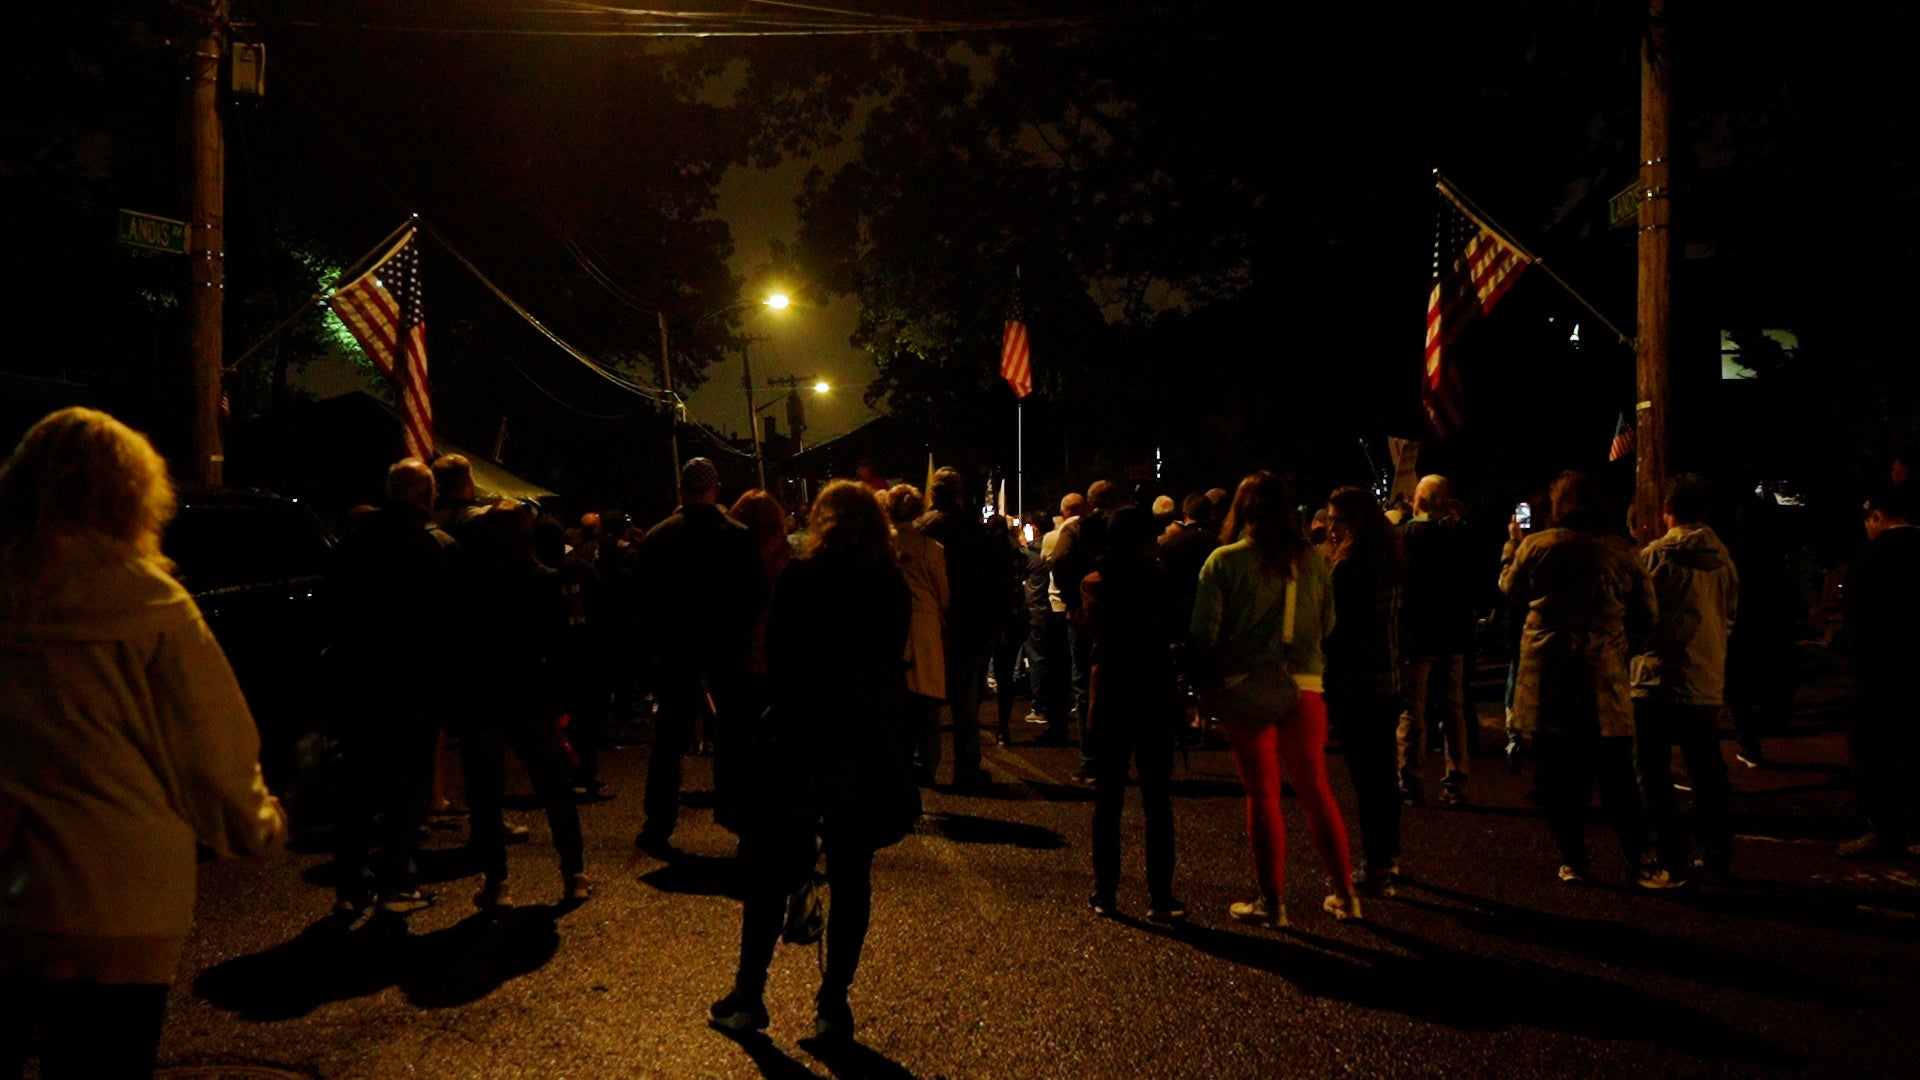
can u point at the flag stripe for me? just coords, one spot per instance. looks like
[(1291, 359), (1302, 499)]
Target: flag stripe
[(1473, 268), (1016, 365), (382, 310)]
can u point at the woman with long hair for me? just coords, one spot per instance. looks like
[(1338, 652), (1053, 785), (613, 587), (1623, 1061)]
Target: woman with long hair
[(124, 744), (1589, 607), (1363, 673), (1263, 607), (836, 774), (924, 564)]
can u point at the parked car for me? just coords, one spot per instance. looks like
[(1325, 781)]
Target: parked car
[(256, 564)]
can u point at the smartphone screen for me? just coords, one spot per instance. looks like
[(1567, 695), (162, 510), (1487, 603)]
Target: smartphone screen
[(1523, 515)]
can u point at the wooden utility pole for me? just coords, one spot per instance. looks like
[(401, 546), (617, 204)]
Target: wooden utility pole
[(1656, 278), (673, 407), (206, 250)]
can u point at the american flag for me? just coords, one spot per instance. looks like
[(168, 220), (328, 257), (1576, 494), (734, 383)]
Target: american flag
[(381, 308), (1473, 267), (1622, 444), (1016, 366)]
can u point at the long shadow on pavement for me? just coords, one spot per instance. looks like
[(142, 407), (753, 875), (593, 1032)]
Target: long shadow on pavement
[(844, 1060), (1826, 907), (1629, 946), (1456, 989), (332, 961), (697, 875), (974, 829)]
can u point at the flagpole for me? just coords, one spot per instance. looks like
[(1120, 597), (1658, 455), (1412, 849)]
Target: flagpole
[(1020, 457), (349, 274), (1479, 217)]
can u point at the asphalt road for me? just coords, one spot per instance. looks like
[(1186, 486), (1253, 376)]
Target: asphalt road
[(984, 961)]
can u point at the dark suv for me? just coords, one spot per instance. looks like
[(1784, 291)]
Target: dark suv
[(256, 564)]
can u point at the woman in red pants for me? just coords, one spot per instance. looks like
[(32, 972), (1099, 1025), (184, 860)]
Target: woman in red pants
[(1263, 607)]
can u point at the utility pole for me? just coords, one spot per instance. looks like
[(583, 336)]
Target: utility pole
[(1656, 280), (206, 249), (753, 415), (673, 407)]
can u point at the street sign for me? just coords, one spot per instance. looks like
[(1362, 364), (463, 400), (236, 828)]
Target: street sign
[(1624, 209), (152, 232)]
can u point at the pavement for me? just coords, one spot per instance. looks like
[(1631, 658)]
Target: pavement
[(983, 960)]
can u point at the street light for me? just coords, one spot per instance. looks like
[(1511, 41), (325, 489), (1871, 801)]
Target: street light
[(777, 301)]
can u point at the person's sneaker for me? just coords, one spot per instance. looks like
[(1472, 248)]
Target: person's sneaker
[(1368, 881), (1038, 718), (1083, 775), (1656, 880), (1750, 755), (517, 834), (576, 887), (493, 894), (1166, 909), (1342, 908), (832, 1019), (351, 906), (1716, 872), (1571, 875), (406, 903), (1412, 797), (738, 1012), (1453, 797), (1870, 846), (1258, 912), (1104, 905)]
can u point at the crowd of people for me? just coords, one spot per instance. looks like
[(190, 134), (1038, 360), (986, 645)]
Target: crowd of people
[(816, 655)]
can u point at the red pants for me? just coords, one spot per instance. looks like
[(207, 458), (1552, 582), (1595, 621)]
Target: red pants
[(1299, 742)]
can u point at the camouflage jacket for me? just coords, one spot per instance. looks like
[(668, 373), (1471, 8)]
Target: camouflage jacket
[(1589, 607)]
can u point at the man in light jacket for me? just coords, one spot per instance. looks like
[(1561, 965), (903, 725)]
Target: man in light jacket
[(1679, 680)]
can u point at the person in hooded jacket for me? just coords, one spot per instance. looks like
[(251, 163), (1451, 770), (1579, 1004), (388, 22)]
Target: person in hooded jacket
[(1680, 679), (125, 745)]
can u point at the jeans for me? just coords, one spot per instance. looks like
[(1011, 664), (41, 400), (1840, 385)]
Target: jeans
[(683, 701), (1658, 726), (1440, 680), (1299, 741), (964, 674), (1080, 649), (1881, 741), (1567, 768), (388, 757), (778, 857), (1146, 743), (88, 1030), (1053, 674), (1366, 728), (483, 757)]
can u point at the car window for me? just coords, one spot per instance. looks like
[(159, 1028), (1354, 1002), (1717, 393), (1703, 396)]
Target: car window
[(221, 546)]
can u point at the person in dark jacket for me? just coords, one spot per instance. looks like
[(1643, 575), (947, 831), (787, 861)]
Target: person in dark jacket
[(705, 583), (1363, 674), (518, 633), (1882, 608), (395, 578), (1010, 625), (977, 578), (1077, 552), (1130, 613), (1679, 681), (1437, 633), (837, 774)]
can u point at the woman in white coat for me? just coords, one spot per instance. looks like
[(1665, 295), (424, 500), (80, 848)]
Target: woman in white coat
[(124, 743), (924, 563)]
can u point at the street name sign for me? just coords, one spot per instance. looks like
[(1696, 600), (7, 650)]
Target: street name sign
[(152, 232), (1624, 208)]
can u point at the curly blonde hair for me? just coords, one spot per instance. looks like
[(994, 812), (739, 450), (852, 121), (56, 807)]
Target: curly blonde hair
[(78, 474), (847, 518)]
